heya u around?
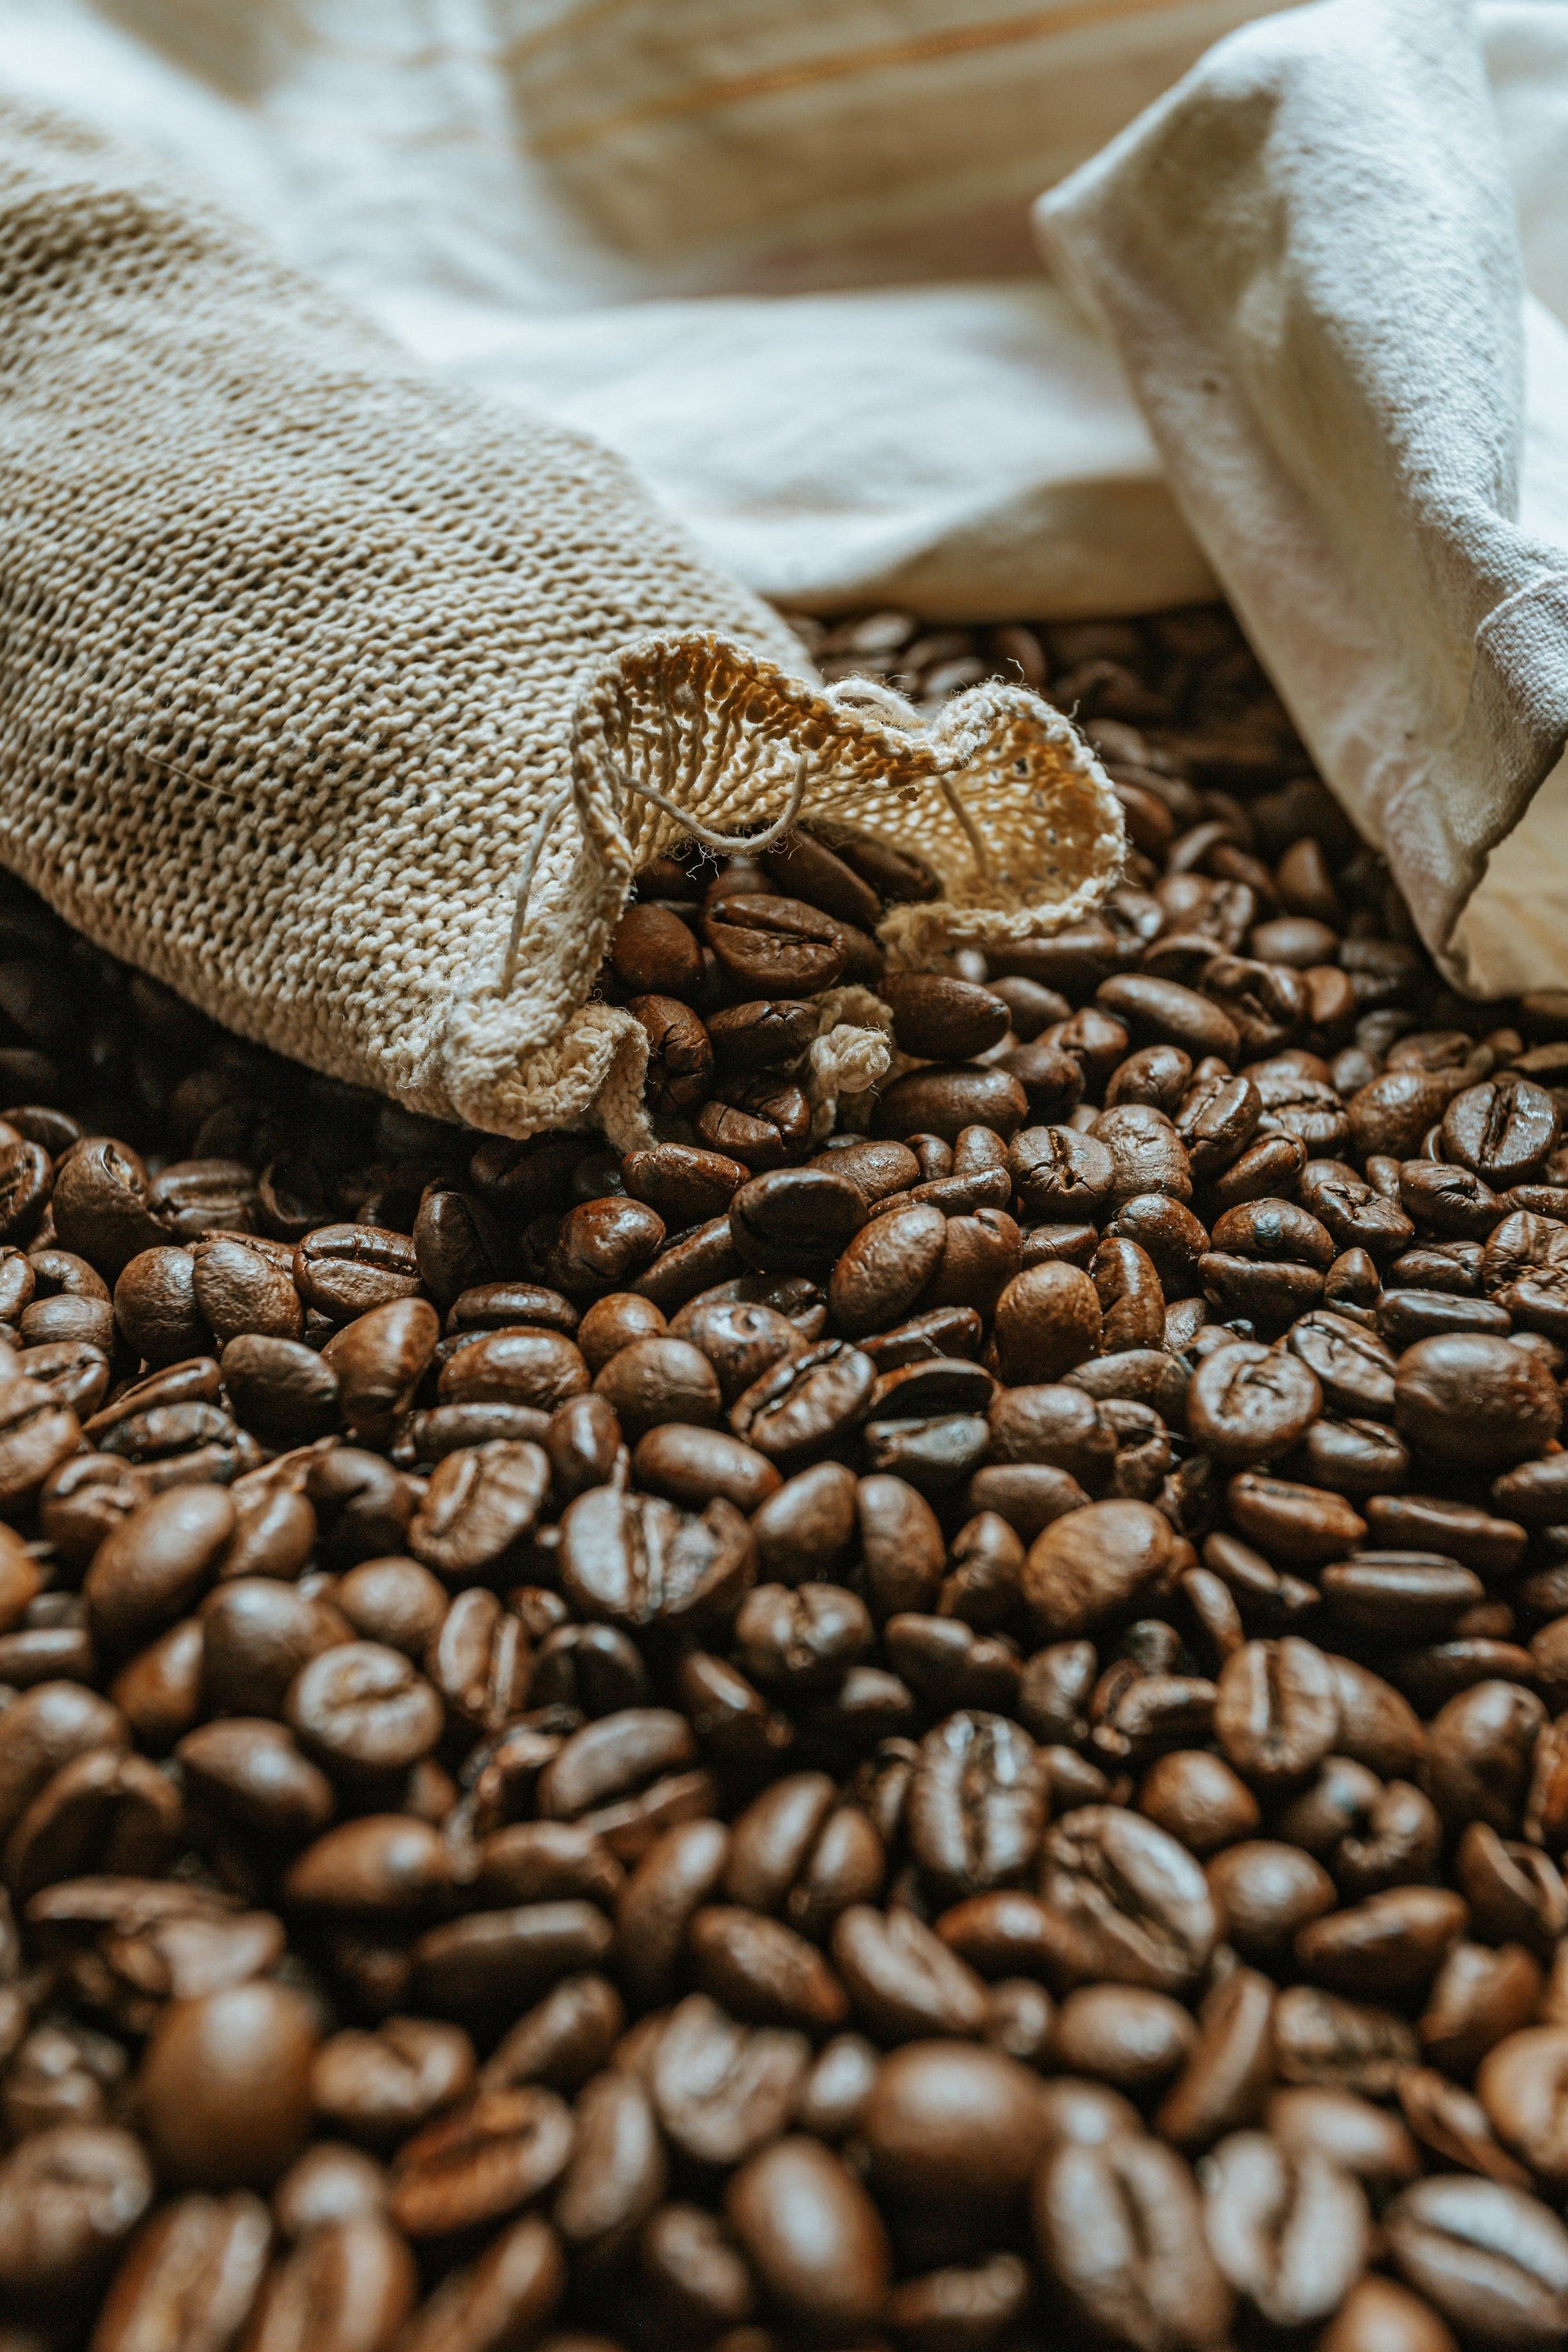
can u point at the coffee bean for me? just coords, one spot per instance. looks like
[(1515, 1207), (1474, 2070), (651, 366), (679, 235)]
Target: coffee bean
[(1492, 2260), (903, 1982), (1247, 1404), (1290, 2232), (945, 2119), (509, 2290), (1127, 1903), (636, 1559), (977, 1804), (1118, 2233), (498, 2152), (1093, 1563), (193, 2271), (69, 2196), (225, 2085), (942, 1098), (813, 2235), (1048, 1320), (774, 946)]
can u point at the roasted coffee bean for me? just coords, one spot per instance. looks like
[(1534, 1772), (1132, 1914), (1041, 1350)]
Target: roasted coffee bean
[(1095, 1563), (225, 2085), (944, 2119), (1290, 2232), (977, 1805), (1249, 1404), (805, 1402), (812, 2236), (903, 1981), (257, 1632), (1048, 1320), (1492, 2260), (943, 1098), (192, 2274), (1118, 2233), (723, 2091), (942, 1019)]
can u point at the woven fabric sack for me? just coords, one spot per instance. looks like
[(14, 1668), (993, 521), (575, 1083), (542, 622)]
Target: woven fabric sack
[(348, 706)]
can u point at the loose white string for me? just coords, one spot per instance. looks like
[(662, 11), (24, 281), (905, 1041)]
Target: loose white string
[(750, 842)]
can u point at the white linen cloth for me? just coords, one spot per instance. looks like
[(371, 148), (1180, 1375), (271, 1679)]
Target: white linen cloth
[(864, 388)]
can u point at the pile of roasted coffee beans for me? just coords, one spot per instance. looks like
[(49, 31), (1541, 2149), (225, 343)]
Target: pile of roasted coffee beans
[(951, 1737)]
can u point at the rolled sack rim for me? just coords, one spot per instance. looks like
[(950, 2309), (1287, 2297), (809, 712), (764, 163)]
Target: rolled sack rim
[(676, 735)]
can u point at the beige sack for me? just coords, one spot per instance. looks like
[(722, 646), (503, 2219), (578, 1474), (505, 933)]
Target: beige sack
[(348, 707)]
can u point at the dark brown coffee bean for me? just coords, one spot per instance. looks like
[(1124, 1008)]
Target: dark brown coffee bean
[(257, 1635), (498, 2152), (1301, 1525), (763, 1035), (380, 2087), (377, 1360), (1502, 1129), (345, 1270), (541, 1369), (1060, 1174), (1094, 1563), (1048, 1320), (1475, 1400), (942, 1098), (509, 2292), (1248, 1404), (680, 1057), (69, 2197), (944, 2119), (478, 1965), (37, 1434), (156, 1305), (362, 1710), (684, 1186), (903, 1981), (812, 2236), (653, 1381), (100, 1208), (805, 1402), (774, 945), (602, 1246), (1291, 2232), (1118, 2233), (280, 1390), (977, 1805), (225, 2085), (636, 1560), (760, 1971), (882, 1273), (653, 950), (1126, 1902), (942, 1020), (1493, 2260), (191, 2276), (720, 2090), (157, 1563), (610, 1758), (247, 1284), (252, 1771), (382, 1863), (1228, 2069)]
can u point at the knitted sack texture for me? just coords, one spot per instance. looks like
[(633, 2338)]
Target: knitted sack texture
[(348, 705)]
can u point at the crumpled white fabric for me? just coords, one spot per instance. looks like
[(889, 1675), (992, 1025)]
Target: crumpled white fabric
[(921, 415), (1309, 256)]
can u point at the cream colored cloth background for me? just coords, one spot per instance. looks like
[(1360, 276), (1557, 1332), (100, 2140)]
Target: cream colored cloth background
[(776, 252)]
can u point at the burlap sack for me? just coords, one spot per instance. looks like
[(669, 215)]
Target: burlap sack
[(348, 707)]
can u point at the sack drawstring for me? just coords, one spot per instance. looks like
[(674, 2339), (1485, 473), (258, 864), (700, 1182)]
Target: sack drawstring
[(709, 839)]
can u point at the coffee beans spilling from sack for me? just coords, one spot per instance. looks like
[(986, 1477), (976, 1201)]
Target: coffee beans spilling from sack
[(934, 1728)]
